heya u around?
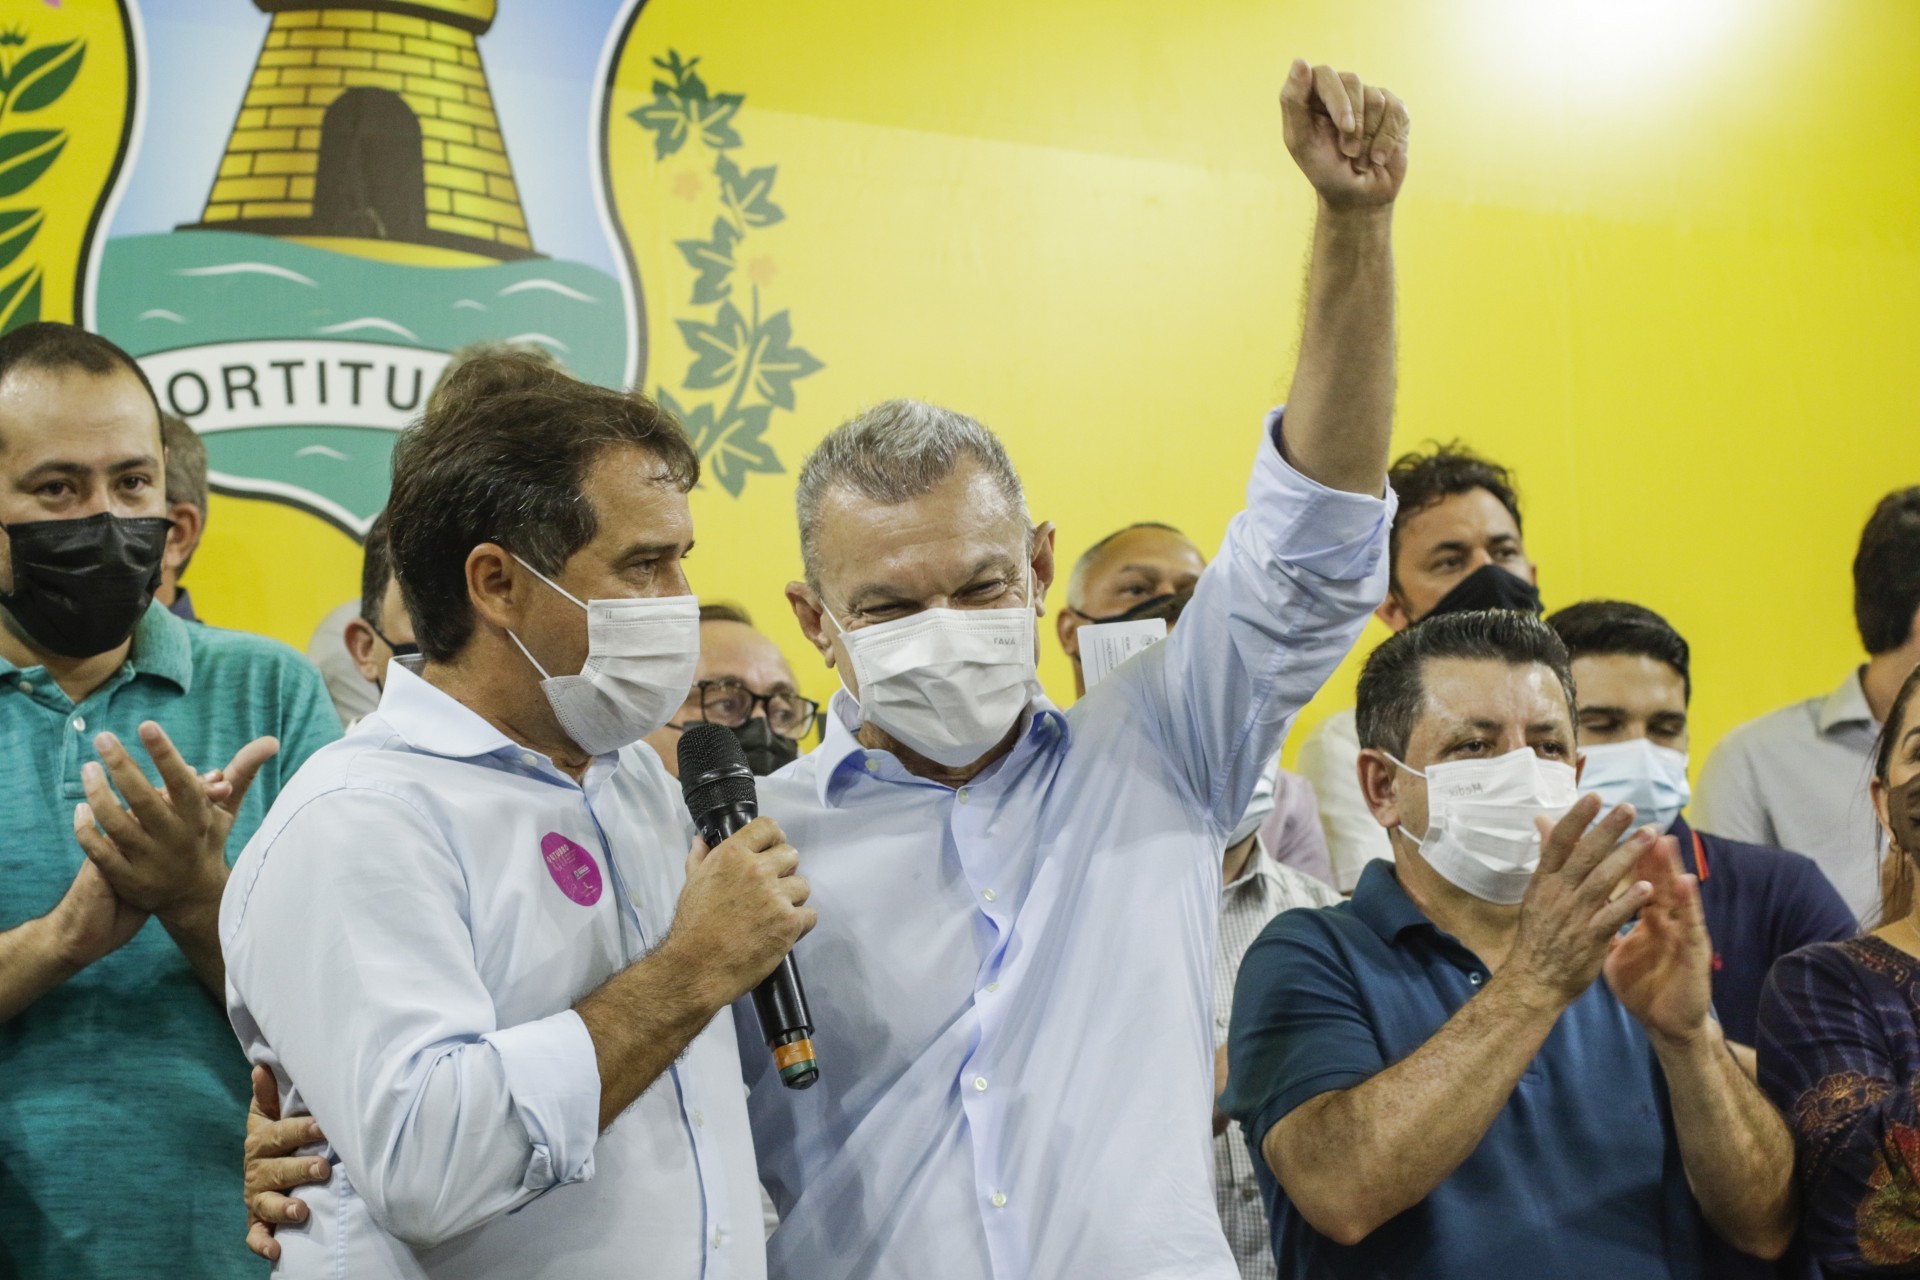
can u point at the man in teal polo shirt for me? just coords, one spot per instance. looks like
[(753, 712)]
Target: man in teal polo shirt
[(110, 971)]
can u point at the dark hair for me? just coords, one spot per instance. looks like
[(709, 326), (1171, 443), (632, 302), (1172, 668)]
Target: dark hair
[(500, 456), (720, 611), (48, 344), (1600, 628), (1393, 683), (376, 571), (1422, 477), (1886, 572), (1896, 882)]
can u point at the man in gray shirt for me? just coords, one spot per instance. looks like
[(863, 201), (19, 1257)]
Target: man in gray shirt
[(1797, 778)]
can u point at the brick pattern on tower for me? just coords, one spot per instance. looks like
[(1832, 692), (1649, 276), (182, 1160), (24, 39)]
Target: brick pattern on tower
[(312, 56)]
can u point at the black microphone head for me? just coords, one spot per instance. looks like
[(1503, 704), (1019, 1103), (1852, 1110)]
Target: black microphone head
[(713, 769)]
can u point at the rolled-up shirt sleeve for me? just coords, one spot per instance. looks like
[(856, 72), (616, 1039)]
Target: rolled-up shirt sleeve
[(351, 967), (1271, 618)]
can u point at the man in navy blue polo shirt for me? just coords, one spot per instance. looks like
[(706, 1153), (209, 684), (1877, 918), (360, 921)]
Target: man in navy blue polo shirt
[(1431, 1078)]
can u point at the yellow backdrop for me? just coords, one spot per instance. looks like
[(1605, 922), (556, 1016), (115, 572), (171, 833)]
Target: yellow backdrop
[(1658, 257)]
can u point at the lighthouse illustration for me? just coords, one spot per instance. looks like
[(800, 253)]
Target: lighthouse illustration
[(295, 300), (369, 123)]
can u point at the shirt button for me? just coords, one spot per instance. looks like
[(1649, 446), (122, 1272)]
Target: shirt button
[(999, 1199), (1248, 1193), (987, 894), (26, 686), (873, 766), (979, 1084), (79, 725), (961, 795), (1474, 978), (993, 986), (528, 759), (719, 1236), (698, 1119)]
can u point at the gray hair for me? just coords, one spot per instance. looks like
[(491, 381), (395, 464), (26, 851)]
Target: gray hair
[(892, 453)]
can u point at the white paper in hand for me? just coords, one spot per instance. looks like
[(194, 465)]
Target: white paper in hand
[(1105, 645)]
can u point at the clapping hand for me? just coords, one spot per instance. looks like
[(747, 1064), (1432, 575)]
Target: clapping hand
[(1662, 969), (164, 849)]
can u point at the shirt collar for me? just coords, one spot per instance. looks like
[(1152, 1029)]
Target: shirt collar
[(1259, 864), (161, 648), (841, 754), (1847, 704), (1383, 905), (182, 606), (434, 721)]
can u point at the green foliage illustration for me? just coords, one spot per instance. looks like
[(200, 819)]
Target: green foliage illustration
[(30, 80), (747, 360)]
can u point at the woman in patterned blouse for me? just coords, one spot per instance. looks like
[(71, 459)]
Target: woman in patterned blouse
[(1839, 1047)]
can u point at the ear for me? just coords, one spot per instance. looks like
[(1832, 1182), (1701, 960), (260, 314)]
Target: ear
[(496, 585), (812, 619), (1066, 625), (1378, 785), (1393, 612), (1042, 566), (184, 537), (362, 645)]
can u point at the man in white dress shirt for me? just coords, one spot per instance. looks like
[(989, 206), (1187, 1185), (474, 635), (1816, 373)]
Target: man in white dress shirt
[(1012, 979), (469, 939)]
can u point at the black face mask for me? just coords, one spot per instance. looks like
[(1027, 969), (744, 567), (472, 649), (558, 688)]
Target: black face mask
[(81, 586), (1151, 607), (766, 750), (1489, 587), (1903, 815)]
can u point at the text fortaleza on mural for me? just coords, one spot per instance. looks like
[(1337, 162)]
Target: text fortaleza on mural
[(294, 383)]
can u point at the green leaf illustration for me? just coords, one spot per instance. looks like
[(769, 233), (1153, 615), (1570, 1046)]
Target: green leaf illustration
[(43, 74), (736, 448), (713, 259), (17, 229), (779, 362), (25, 155), (683, 108), (718, 348), (747, 193), (20, 300)]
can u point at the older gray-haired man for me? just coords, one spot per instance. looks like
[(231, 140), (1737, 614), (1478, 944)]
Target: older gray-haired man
[(1012, 974)]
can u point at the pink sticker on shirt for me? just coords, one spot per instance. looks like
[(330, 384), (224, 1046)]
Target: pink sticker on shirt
[(572, 868)]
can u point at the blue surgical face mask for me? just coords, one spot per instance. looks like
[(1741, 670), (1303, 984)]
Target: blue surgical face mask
[(1652, 779)]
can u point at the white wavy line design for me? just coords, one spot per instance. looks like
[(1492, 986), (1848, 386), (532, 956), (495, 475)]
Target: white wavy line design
[(370, 322), (161, 313), (470, 305), (547, 286), (249, 269), (545, 340), (320, 451)]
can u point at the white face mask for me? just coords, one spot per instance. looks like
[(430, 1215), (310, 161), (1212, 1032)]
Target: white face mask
[(1480, 833), (1652, 779), (947, 683), (1259, 809), (641, 657)]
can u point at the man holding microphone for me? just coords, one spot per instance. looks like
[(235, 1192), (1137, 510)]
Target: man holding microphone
[(463, 939)]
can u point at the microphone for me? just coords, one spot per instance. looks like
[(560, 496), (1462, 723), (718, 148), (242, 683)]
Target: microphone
[(720, 795)]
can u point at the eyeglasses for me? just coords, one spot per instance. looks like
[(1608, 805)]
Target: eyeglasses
[(730, 703)]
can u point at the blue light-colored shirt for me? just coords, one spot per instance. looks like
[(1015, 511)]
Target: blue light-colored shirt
[(1579, 1176), (132, 1049), (1011, 982), (405, 938)]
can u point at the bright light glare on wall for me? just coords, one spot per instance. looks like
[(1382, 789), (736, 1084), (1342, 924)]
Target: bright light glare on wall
[(1593, 45)]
